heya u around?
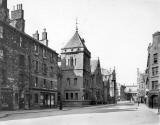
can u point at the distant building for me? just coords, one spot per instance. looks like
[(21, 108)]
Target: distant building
[(76, 72), (97, 82), (28, 68), (106, 75), (152, 71), (123, 93), (131, 92), (141, 82)]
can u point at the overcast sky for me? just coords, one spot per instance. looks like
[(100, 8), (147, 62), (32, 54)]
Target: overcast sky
[(116, 31)]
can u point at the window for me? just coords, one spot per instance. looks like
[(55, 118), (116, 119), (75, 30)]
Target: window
[(36, 81), (36, 98), (20, 41), (71, 59), (1, 54), (1, 32), (44, 68), (68, 62), (76, 96), (68, 81), (71, 95), (155, 58), (44, 53), (21, 60), (66, 96), (75, 81), (154, 71), (51, 69), (51, 84), (36, 66), (16, 98), (75, 61), (44, 83), (36, 48), (154, 85)]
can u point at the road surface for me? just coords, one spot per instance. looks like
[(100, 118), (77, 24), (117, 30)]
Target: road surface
[(120, 114)]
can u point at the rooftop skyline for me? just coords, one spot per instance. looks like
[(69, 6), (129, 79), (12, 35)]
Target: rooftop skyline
[(116, 31)]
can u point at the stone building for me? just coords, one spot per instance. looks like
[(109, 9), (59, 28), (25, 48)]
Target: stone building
[(106, 76), (141, 83), (97, 82), (152, 71), (76, 72), (123, 96), (28, 67), (113, 88)]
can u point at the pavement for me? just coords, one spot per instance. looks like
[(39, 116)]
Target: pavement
[(4, 114)]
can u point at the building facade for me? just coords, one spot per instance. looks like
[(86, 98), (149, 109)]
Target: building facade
[(106, 75), (76, 72), (141, 82), (97, 82), (152, 71), (28, 68)]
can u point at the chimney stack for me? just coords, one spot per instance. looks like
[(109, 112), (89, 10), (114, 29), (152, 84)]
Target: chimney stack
[(36, 35), (17, 18)]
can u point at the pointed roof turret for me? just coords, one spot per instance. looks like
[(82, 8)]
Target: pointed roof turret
[(75, 42)]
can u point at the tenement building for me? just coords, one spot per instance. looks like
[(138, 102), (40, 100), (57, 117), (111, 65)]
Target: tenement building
[(28, 67), (76, 72), (152, 71)]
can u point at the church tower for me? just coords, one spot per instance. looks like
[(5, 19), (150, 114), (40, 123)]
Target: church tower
[(4, 11)]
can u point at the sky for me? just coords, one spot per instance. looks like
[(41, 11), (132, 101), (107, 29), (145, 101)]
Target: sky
[(116, 31)]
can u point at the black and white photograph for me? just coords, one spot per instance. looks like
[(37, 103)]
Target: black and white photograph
[(79, 62)]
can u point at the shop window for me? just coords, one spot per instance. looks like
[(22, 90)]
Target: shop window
[(76, 96), (66, 96), (36, 98), (71, 95), (16, 98)]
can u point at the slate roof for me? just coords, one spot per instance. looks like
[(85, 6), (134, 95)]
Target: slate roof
[(93, 64), (75, 41)]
